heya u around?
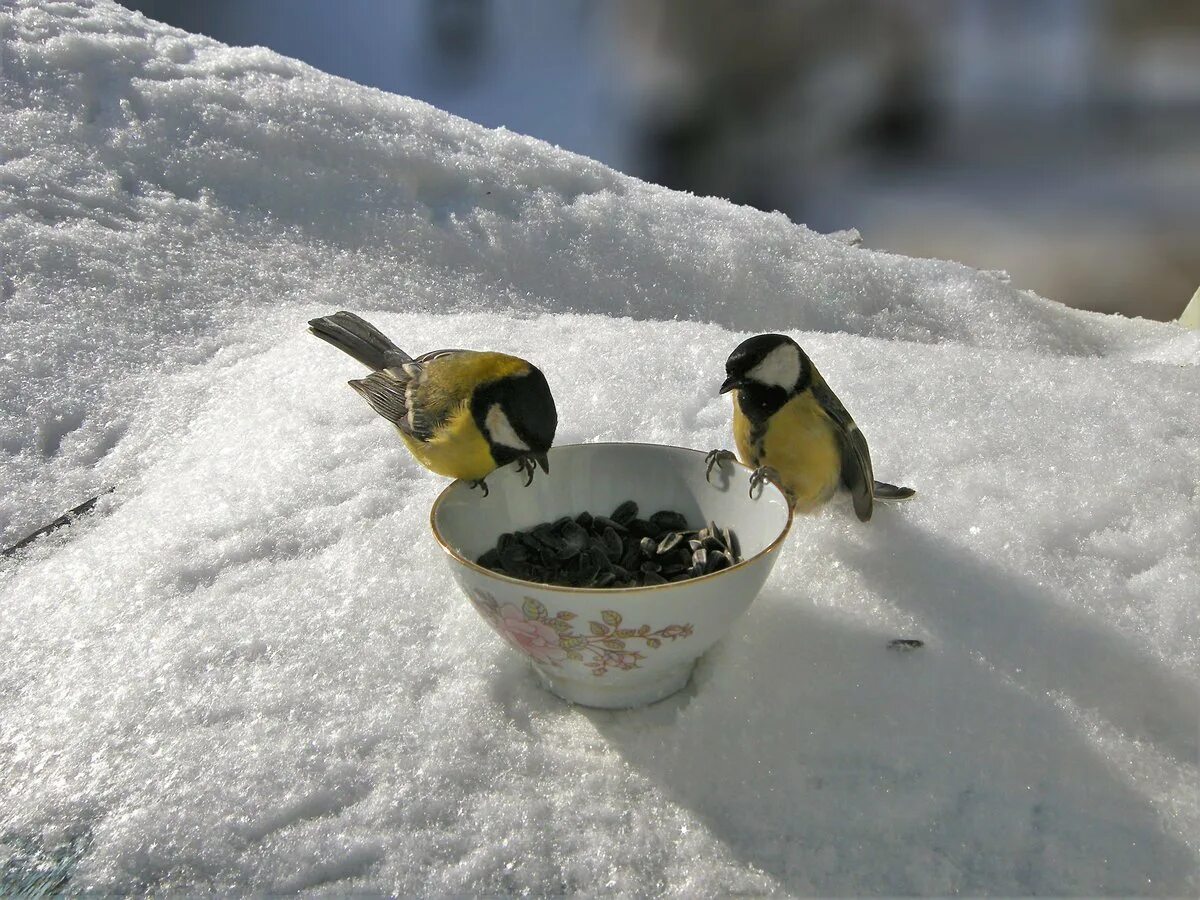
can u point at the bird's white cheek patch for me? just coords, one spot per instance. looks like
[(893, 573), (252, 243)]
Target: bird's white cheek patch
[(501, 430), (779, 368)]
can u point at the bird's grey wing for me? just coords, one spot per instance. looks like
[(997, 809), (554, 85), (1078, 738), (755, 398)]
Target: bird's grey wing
[(387, 393), (857, 474), (405, 397), (398, 399)]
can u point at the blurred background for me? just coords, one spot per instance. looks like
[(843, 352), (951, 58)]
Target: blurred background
[(1058, 140)]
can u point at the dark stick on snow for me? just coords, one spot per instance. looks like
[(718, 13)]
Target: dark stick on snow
[(65, 519)]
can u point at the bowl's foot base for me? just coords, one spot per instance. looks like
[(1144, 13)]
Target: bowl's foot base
[(595, 692)]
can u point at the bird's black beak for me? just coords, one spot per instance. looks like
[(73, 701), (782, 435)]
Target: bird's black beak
[(729, 384), (541, 460)]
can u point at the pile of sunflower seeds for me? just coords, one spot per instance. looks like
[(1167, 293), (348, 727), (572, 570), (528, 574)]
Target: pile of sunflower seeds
[(615, 551)]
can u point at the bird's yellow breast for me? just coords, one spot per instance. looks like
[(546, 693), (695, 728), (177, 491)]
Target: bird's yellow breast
[(458, 450), (799, 443)]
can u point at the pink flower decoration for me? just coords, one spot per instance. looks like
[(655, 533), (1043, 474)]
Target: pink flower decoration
[(531, 630), (530, 636), (625, 660)]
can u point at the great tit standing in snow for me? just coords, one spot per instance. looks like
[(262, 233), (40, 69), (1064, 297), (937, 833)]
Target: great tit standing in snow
[(791, 428), (462, 413)]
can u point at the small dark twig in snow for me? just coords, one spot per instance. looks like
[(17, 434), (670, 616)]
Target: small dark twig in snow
[(65, 519)]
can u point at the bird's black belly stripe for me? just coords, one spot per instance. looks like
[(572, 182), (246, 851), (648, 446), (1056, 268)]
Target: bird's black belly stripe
[(758, 434)]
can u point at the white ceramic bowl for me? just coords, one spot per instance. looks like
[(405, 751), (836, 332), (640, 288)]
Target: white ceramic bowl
[(612, 647)]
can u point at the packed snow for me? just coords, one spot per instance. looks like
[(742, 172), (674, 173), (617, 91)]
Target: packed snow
[(249, 668)]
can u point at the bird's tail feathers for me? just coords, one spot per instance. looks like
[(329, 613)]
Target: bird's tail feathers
[(885, 491), (357, 337)]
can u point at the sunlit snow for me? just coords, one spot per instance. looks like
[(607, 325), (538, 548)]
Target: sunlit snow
[(249, 669)]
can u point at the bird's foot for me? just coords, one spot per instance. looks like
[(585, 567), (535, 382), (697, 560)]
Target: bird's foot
[(761, 476), (714, 459), (481, 484), (528, 466)]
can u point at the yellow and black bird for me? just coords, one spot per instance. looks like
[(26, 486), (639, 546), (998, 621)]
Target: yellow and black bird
[(462, 413), (791, 428)]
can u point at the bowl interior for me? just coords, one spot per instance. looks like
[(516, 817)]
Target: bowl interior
[(597, 478)]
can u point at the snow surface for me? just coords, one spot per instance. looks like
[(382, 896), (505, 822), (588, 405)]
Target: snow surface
[(250, 669)]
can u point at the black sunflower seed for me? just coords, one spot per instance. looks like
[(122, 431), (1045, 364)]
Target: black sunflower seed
[(641, 528), (729, 539), (668, 520), (717, 560), (589, 566), (513, 552), (547, 535), (613, 543), (575, 539), (625, 513), (669, 543), (599, 523)]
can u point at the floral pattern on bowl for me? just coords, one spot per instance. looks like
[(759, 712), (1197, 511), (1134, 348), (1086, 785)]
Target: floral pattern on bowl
[(550, 640)]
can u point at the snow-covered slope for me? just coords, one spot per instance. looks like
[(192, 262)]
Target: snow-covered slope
[(249, 670)]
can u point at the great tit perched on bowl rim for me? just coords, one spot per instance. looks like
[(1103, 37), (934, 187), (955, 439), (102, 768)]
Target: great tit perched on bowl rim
[(462, 413), (789, 426)]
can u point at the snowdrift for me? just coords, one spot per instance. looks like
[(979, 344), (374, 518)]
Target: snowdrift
[(249, 669)]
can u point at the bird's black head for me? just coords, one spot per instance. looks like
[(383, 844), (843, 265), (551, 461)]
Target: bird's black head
[(767, 370), (517, 416)]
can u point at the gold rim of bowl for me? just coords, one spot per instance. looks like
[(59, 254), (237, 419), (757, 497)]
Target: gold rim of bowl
[(541, 585)]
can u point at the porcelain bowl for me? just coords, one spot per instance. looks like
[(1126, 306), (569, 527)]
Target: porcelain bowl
[(604, 647)]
